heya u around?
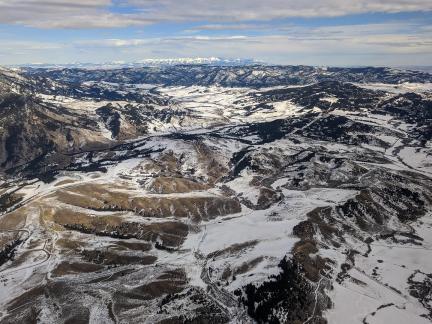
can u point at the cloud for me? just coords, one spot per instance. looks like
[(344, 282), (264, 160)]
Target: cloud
[(216, 22), (219, 27), (111, 14), (118, 43), (243, 10), (338, 41), (24, 51), (347, 45), (29, 46), (77, 14)]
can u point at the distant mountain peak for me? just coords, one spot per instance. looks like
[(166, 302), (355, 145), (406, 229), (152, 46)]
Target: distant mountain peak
[(215, 61), (199, 60)]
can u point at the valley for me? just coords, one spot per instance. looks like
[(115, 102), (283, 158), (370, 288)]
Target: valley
[(215, 194)]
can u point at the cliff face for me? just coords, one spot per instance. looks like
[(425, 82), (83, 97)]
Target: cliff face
[(32, 128)]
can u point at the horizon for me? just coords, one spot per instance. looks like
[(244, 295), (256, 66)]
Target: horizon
[(221, 61), (328, 33)]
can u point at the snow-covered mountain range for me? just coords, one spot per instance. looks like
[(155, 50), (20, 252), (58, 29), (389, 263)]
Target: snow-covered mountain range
[(207, 193), (214, 61)]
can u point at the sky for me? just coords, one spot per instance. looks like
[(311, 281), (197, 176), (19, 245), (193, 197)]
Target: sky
[(310, 32)]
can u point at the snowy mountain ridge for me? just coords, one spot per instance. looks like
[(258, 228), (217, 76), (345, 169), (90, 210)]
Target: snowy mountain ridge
[(214, 61), (215, 194)]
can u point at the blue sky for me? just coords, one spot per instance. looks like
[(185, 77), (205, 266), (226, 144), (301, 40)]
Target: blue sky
[(326, 32)]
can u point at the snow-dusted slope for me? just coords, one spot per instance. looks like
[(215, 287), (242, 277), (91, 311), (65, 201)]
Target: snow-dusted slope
[(208, 204)]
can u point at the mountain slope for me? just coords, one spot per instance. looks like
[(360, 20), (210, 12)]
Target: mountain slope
[(194, 202)]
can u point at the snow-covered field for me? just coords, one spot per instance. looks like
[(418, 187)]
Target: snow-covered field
[(211, 198)]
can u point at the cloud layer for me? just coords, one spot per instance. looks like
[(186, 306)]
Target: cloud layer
[(123, 13), (130, 30), (376, 44)]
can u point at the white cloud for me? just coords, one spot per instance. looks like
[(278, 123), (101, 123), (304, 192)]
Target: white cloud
[(346, 48), (98, 13), (65, 14), (241, 10), (335, 45), (376, 44), (117, 43), (231, 27)]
